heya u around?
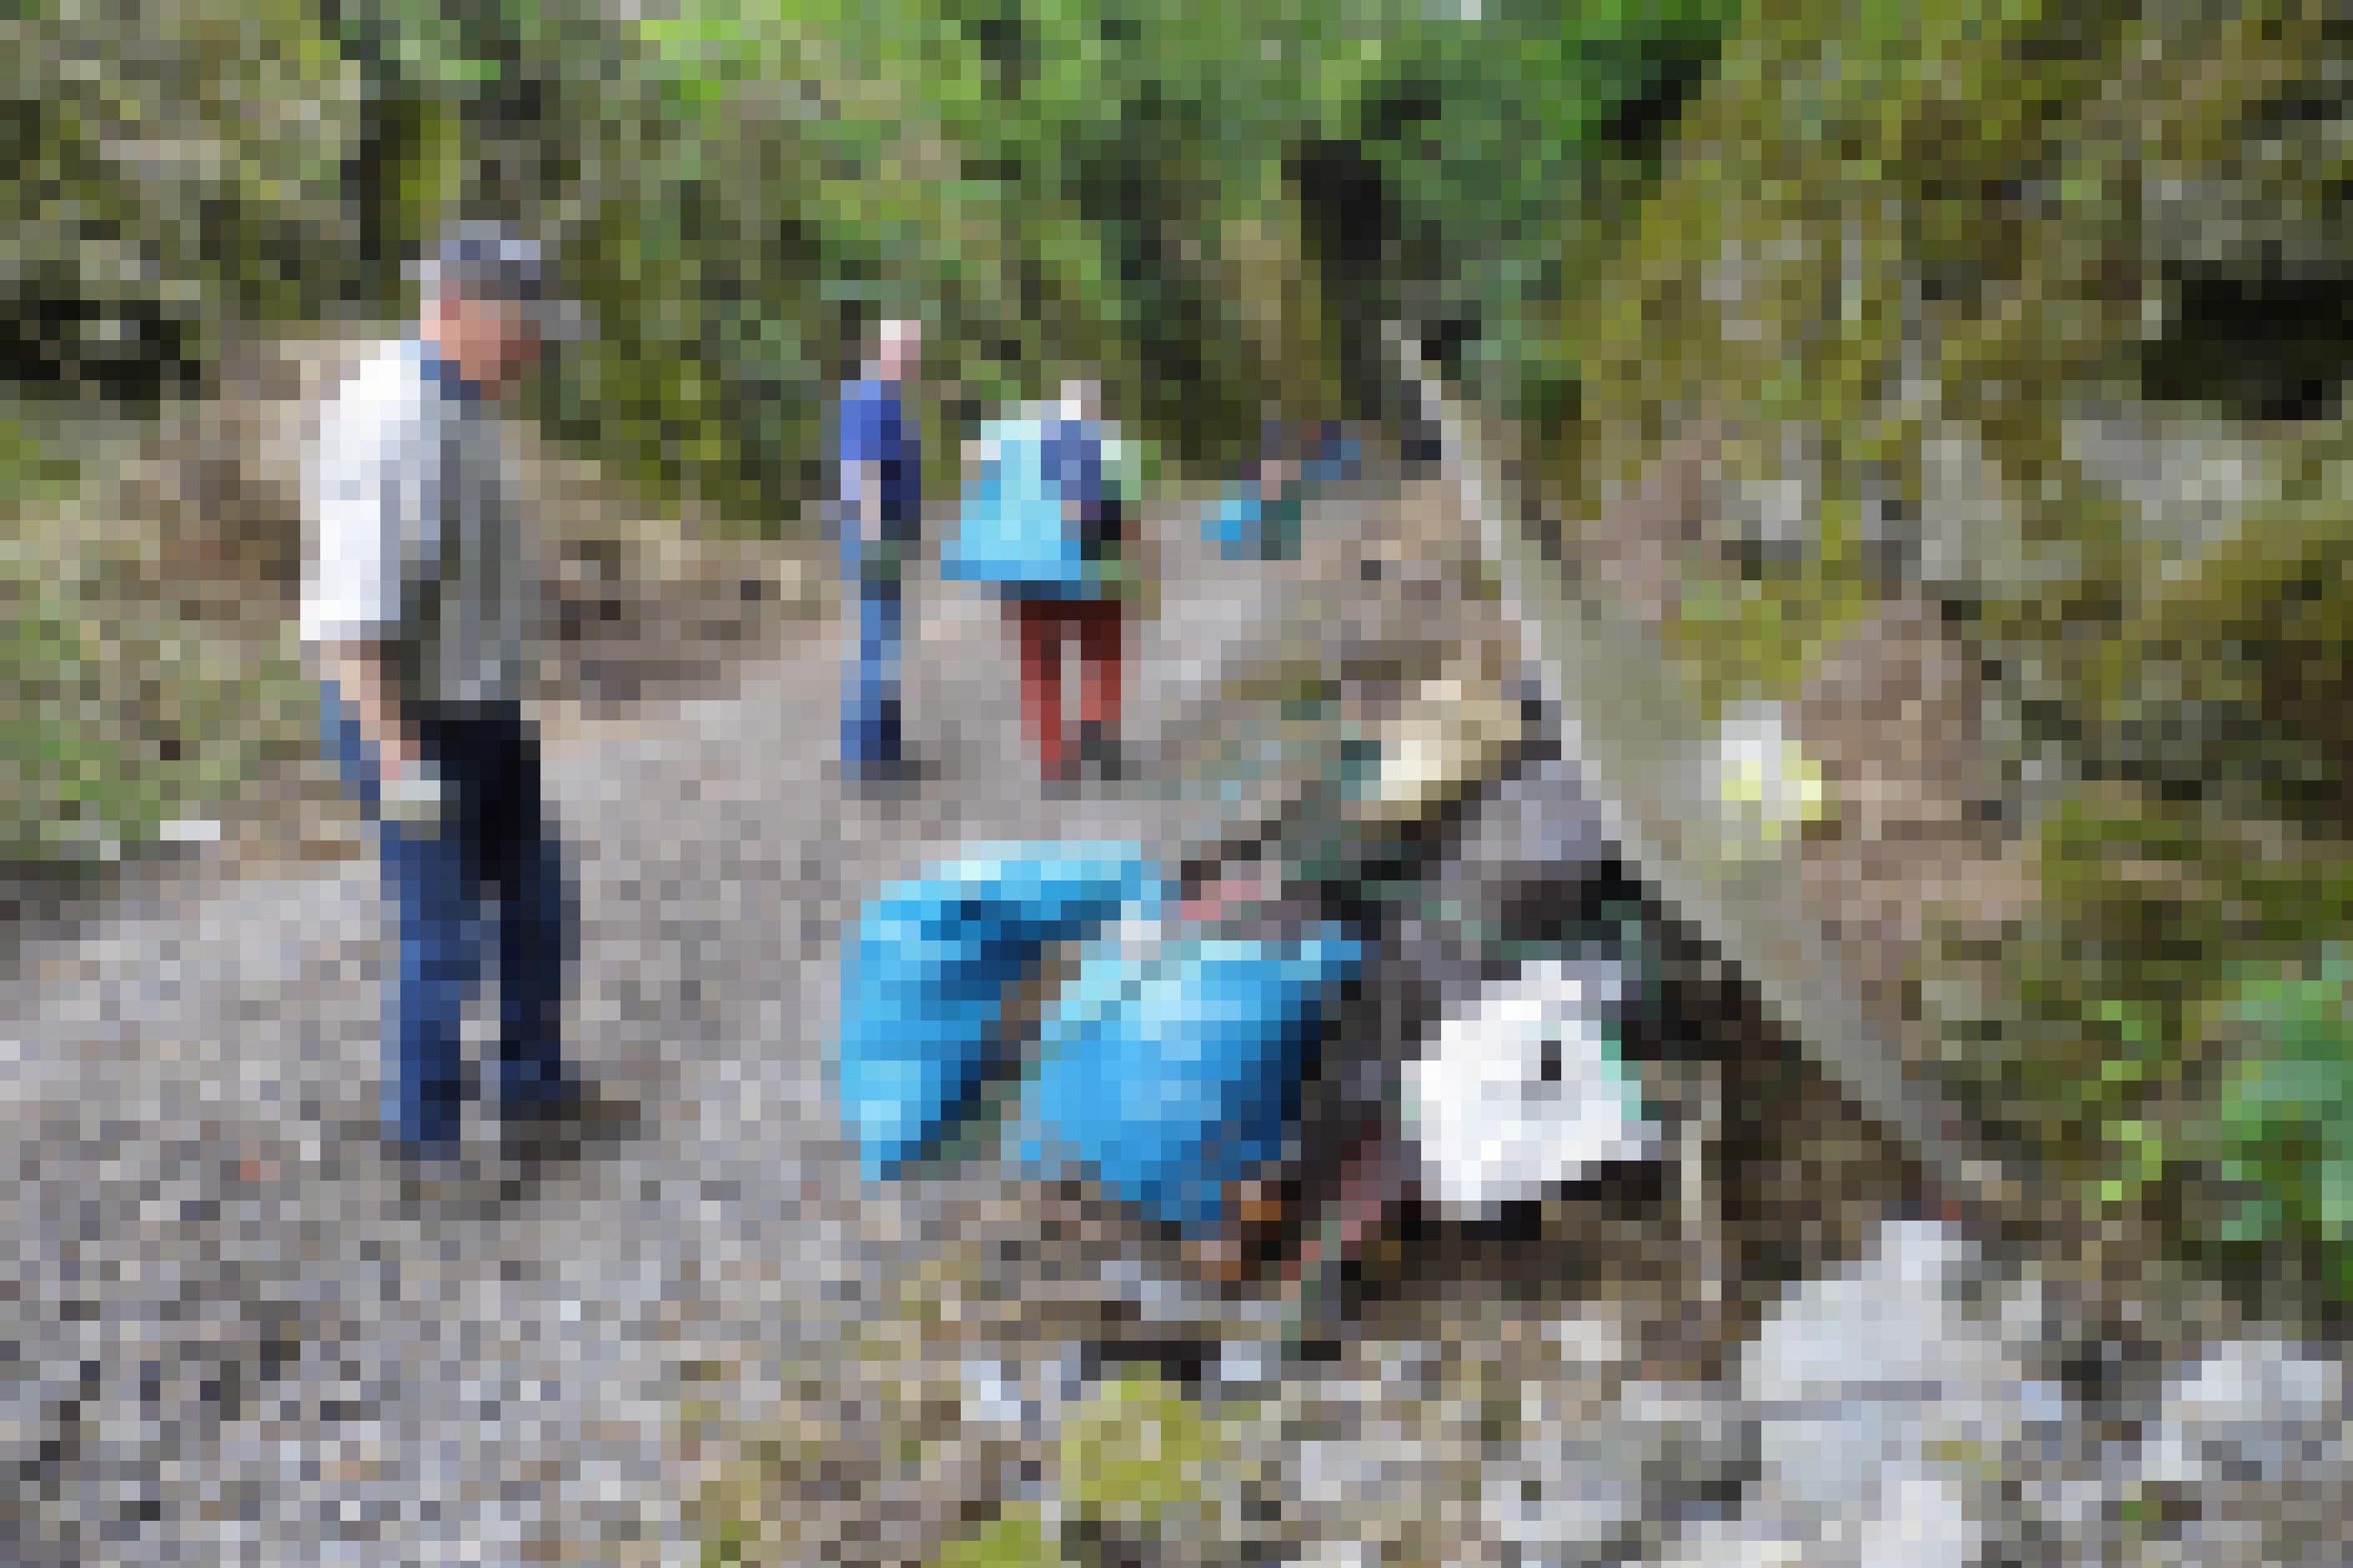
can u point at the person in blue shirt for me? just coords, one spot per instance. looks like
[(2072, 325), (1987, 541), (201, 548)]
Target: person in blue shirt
[(881, 499)]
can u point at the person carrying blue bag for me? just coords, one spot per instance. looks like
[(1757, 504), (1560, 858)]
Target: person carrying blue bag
[(1262, 518)]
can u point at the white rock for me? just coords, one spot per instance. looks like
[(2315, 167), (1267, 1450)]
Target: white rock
[(2255, 1438), (1924, 1519), (1562, 1499), (1890, 1324), (1592, 1480), (1742, 1543), (1869, 1384)]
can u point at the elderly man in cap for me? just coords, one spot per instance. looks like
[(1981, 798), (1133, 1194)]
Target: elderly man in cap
[(420, 603)]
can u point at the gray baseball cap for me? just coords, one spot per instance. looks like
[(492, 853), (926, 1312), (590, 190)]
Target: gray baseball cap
[(485, 258), (492, 262)]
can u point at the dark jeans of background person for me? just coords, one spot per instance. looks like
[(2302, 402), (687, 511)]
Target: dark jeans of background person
[(496, 840)]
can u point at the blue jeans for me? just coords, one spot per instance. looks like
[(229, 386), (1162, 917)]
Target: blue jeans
[(495, 838), (871, 732)]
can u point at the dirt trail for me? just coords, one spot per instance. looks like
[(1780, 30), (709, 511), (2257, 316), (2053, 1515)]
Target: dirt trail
[(238, 1346)]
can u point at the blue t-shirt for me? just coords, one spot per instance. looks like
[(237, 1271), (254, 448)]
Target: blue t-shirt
[(875, 429)]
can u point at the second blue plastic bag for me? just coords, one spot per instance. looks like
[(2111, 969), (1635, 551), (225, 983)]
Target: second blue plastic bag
[(1170, 1073)]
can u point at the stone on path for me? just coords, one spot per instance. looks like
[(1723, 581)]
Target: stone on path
[(2254, 1444), (1888, 1411)]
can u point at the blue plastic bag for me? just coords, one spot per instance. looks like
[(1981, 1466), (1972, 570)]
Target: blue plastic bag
[(1170, 1074), (924, 978), (1246, 527), (1010, 533)]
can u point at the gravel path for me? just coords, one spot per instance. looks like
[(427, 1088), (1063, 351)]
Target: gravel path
[(235, 1344)]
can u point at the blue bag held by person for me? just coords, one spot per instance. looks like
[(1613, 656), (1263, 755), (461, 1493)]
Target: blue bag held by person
[(1010, 533), (924, 979), (1174, 1071)]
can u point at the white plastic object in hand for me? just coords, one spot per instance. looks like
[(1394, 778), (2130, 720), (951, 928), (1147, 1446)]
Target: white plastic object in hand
[(417, 799), (1522, 1091)]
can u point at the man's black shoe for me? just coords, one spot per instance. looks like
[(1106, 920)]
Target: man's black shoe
[(1100, 753), (888, 781), (556, 1127)]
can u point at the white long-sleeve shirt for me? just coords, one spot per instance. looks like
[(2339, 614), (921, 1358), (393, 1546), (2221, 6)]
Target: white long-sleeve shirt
[(414, 539)]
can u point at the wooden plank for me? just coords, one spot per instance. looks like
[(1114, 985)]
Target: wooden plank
[(1643, 740)]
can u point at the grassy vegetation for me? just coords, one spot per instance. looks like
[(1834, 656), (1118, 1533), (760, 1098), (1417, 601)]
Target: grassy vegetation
[(122, 718)]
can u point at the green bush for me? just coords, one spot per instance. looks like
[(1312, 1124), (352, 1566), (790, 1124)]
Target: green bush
[(2165, 1031), (2283, 1121), (171, 172), (121, 718)]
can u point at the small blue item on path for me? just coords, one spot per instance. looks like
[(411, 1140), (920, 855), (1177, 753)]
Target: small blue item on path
[(1171, 1072), (1246, 527), (924, 978)]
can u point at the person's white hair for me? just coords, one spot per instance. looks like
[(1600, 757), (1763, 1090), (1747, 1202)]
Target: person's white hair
[(896, 339)]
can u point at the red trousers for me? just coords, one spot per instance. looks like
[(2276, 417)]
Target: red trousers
[(1041, 627)]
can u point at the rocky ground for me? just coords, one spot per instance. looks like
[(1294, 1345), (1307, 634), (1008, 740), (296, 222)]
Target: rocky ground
[(237, 1343)]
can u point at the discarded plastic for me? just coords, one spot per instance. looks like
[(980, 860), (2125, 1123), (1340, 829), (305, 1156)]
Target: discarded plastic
[(924, 979), (1172, 1074), (1244, 526), (1525, 1089), (1009, 531)]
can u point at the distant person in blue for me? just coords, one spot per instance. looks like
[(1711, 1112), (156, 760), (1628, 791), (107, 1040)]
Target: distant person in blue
[(882, 499)]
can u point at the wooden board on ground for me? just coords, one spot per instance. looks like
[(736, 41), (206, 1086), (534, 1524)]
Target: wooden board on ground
[(1826, 925)]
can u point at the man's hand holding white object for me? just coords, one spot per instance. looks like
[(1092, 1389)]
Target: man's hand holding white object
[(417, 799)]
